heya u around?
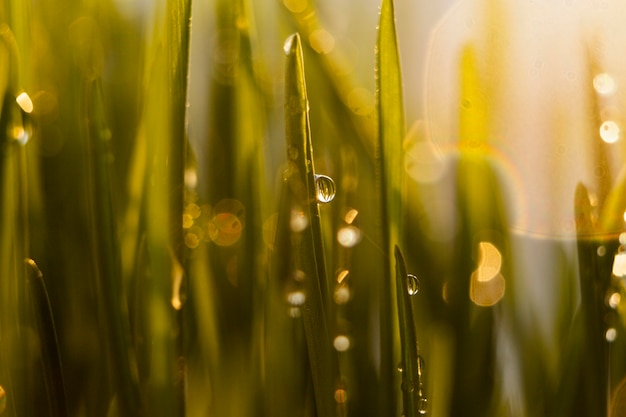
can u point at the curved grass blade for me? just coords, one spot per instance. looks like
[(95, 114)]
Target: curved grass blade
[(391, 133), (413, 398), (107, 254), (308, 246), (51, 358)]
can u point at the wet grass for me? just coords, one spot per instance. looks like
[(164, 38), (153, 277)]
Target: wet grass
[(274, 259)]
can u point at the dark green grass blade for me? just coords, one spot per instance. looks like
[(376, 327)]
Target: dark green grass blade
[(412, 390), (391, 132), (107, 254), (594, 282), (308, 250), (51, 358)]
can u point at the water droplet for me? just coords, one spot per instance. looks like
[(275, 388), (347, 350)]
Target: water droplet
[(292, 152), (610, 335), (420, 366), (609, 131), (3, 399), (412, 284), (325, 188), (341, 343), (349, 236), (400, 367), (296, 298), (422, 405), (601, 251), (289, 44)]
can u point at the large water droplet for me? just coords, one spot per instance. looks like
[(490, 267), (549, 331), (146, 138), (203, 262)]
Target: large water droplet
[(325, 188), (412, 284)]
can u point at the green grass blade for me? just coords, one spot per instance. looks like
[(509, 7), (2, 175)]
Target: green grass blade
[(51, 358), (413, 397), (594, 284), (309, 251), (107, 253), (391, 133)]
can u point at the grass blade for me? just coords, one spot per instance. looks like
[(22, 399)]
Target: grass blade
[(51, 358), (107, 254), (391, 132), (594, 283), (413, 397), (308, 250)]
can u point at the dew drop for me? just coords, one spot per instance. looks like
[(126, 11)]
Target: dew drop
[(601, 251), (422, 405), (420, 366), (400, 367), (412, 284), (614, 300), (290, 44), (325, 188)]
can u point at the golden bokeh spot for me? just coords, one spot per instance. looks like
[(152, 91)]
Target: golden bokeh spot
[(25, 103), (350, 216), (609, 131), (487, 285), (225, 229), (341, 275), (187, 221), (322, 41), (192, 240), (296, 6), (341, 396)]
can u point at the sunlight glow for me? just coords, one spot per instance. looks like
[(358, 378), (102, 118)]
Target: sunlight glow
[(24, 101)]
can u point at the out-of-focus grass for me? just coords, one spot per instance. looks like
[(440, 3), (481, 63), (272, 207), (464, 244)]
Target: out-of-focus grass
[(177, 284)]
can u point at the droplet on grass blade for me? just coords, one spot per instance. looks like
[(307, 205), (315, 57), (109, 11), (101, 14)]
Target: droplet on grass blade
[(412, 284), (325, 188)]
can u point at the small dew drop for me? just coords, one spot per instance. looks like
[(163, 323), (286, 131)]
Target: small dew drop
[(610, 335), (422, 405), (412, 284), (400, 367), (609, 131), (289, 44), (341, 343), (420, 365), (325, 188), (349, 236)]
